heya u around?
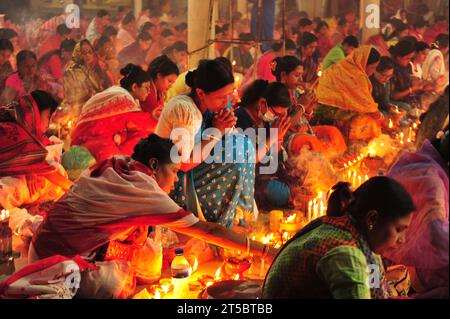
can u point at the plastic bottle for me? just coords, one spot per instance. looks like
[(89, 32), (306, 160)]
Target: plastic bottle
[(181, 271)]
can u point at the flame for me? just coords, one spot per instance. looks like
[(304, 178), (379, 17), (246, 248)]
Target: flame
[(4, 214), (372, 152), (236, 277), (165, 288), (291, 219), (194, 266), (391, 124), (209, 283), (319, 74), (234, 63), (217, 275), (70, 124), (157, 294)]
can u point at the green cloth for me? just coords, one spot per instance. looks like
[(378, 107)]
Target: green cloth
[(334, 56), (324, 263), (344, 271)]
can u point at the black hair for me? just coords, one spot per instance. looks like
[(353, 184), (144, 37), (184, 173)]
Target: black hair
[(374, 56), (342, 21), (304, 23), (210, 76), (386, 63), (410, 38), (67, 45), (133, 74), (181, 27), (121, 9), (320, 25), (5, 44), (102, 13), (6, 33), (286, 64), (277, 46), (153, 147), (147, 26), (402, 48), (399, 27), (420, 23), (101, 42), (441, 41), (128, 18), (44, 101), (290, 45), (162, 65), (381, 194), (166, 33), (144, 36), (421, 46), (307, 39), (62, 29), (180, 46), (351, 41), (275, 93), (110, 31), (246, 37), (24, 55)]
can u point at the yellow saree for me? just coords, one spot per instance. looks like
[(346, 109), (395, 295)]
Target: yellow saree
[(346, 85)]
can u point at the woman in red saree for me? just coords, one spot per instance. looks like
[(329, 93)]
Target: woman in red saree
[(29, 173), (112, 122), (163, 72)]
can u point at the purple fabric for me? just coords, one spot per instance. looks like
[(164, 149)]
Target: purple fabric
[(427, 240)]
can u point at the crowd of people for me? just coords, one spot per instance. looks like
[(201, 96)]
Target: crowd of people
[(120, 86)]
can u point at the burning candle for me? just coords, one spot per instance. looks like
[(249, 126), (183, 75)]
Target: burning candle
[(276, 216), (391, 124), (359, 180), (310, 205), (402, 137), (410, 137), (4, 215)]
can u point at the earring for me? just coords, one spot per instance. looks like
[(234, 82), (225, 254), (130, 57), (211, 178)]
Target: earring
[(370, 226)]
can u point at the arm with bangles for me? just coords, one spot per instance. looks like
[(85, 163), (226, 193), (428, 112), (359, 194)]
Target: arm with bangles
[(221, 236)]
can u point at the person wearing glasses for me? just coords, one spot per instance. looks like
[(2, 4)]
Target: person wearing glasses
[(381, 84), (112, 122)]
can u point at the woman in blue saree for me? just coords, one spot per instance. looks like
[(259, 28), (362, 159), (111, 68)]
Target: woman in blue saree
[(217, 179)]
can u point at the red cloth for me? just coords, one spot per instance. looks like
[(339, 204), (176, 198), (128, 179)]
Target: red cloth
[(54, 67), (22, 144), (100, 137), (152, 102), (52, 43), (265, 67), (436, 29)]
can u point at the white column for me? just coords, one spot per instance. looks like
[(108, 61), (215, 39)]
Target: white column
[(370, 18), (137, 7), (199, 29)]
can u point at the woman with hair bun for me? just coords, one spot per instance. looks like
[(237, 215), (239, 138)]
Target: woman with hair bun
[(330, 258), (112, 122), (213, 184)]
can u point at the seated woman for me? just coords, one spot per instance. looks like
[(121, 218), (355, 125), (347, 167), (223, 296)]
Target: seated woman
[(211, 186), (404, 89), (380, 80), (327, 139), (333, 256), (30, 170), (426, 250), (265, 106), (434, 67), (308, 56), (112, 122), (107, 57), (163, 73), (83, 78), (345, 95), (26, 80), (6, 50), (116, 200), (52, 65)]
